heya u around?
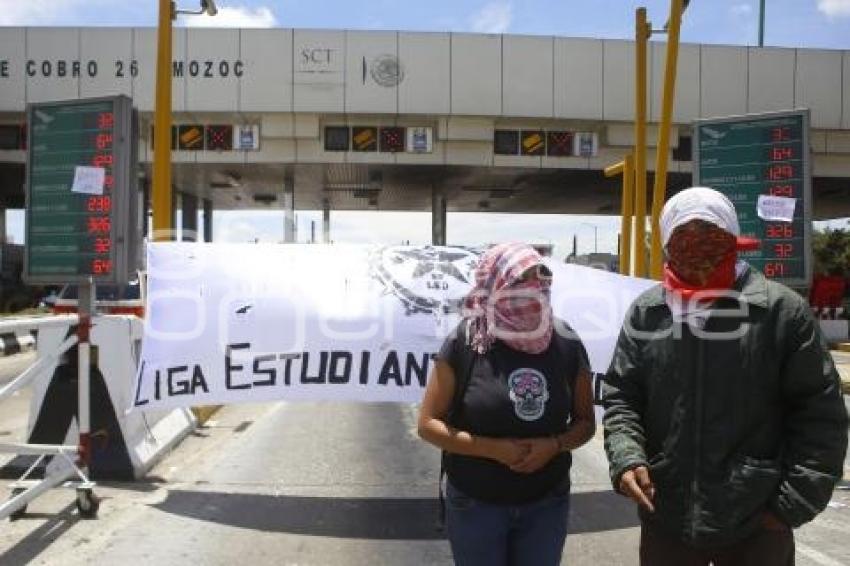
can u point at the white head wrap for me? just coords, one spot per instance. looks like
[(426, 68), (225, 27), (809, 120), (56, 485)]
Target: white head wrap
[(698, 203)]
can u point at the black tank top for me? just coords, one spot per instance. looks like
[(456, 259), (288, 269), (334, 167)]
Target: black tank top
[(512, 394)]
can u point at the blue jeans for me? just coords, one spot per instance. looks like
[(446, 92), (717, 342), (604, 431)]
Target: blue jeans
[(486, 534)]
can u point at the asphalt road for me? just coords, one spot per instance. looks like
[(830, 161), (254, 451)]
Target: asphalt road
[(335, 484)]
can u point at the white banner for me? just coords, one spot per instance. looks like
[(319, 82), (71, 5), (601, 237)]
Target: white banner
[(230, 323)]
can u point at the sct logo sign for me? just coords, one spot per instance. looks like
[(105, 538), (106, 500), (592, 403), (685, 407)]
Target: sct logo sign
[(319, 60)]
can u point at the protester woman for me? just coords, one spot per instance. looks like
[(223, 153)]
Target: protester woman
[(509, 398)]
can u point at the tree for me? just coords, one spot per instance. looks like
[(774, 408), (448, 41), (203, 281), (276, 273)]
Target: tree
[(831, 250)]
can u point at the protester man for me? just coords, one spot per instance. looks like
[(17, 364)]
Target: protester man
[(724, 418)]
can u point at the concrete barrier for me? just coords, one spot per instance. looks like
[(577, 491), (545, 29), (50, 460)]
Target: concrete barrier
[(124, 445)]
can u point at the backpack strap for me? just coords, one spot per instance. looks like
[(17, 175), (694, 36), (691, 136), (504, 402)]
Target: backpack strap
[(463, 374)]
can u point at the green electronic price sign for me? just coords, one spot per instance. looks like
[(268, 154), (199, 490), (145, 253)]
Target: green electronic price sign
[(81, 191), (745, 157)]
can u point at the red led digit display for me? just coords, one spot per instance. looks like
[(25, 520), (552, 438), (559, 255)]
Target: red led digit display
[(782, 191), (99, 204), (780, 172), (98, 224), (781, 153), (779, 232), (780, 134), (102, 245), (103, 141), (102, 160), (775, 269), (783, 251), (101, 266), (105, 121)]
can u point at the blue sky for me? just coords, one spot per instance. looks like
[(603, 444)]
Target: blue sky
[(793, 23), (803, 23)]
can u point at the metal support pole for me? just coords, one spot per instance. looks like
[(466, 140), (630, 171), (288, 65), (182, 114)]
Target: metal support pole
[(145, 207), (642, 34), (438, 217), (162, 214), (659, 192), (176, 203), (208, 220), (761, 23), (3, 225), (595, 235), (86, 310), (326, 221), (289, 210), (189, 218)]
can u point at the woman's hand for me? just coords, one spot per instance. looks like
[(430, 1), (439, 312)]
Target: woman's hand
[(539, 451), (506, 451)]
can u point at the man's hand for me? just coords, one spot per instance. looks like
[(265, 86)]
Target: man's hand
[(538, 453), (637, 485)]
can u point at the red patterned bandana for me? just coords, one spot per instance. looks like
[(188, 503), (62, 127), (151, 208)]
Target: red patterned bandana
[(508, 304), (702, 258)]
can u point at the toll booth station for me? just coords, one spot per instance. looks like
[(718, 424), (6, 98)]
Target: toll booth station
[(284, 119)]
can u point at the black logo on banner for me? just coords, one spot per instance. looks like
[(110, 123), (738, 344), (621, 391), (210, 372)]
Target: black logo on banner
[(427, 280)]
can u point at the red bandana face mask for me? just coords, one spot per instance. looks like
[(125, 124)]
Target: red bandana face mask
[(702, 258)]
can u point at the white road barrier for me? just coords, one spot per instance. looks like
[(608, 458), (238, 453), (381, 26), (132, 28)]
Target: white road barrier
[(123, 446)]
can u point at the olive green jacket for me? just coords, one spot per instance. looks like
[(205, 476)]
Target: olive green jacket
[(735, 418)]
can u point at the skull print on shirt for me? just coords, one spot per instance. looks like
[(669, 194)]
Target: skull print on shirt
[(529, 392)]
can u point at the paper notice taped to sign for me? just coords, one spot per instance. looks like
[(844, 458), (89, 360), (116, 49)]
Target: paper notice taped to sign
[(88, 180), (776, 208)]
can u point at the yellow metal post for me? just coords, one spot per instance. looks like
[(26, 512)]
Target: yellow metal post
[(614, 170), (628, 213), (626, 168), (161, 198), (642, 34), (659, 192)]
